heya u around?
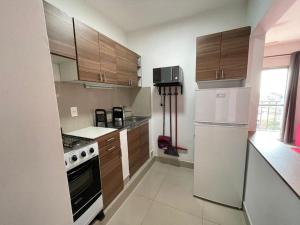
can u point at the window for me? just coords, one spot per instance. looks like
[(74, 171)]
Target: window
[(272, 98)]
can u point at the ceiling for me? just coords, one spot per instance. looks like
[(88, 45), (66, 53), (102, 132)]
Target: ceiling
[(287, 28), (136, 14)]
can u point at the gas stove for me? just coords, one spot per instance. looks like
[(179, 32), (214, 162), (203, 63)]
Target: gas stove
[(82, 166), (78, 150), (72, 142)]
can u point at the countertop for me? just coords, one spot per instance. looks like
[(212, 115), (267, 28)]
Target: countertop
[(129, 122), (92, 132), (283, 158), (96, 132)]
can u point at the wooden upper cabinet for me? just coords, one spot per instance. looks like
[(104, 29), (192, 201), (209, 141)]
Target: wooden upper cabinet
[(208, 57), (234, 53), (223, 55), (127, 66), (88, 52), (60, 32), (108, 60), (99, 59)]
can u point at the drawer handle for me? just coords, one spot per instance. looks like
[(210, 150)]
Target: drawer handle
[(112, 148), (111, 139)]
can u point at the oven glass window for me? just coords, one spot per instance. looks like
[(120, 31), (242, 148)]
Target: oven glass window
[(81, 183), (84, 185)]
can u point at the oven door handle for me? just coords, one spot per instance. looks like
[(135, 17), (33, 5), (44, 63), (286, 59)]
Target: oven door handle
[(79, 169)]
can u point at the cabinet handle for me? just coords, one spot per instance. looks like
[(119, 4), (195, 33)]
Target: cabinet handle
[(222, 74), (111, 139), (216, 74), (112, 148)]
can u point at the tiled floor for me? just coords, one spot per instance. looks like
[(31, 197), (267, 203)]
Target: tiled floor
[(165, 197)]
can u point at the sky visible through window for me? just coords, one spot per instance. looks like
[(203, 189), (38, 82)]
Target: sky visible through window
[(272, 97)]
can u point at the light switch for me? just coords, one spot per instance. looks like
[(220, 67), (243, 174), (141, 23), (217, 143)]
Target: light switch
[(74, 111)]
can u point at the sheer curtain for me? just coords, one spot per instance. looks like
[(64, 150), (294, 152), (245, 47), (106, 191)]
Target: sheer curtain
[(287, 131)]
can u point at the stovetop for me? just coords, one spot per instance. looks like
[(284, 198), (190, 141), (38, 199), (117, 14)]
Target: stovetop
[(71, 143)]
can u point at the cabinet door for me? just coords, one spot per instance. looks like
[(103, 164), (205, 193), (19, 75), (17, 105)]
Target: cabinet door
[(127, 66), (108, 60), (138, 147), (133, 151), (88, 53), (111, 175), (60, 32), (208, 57), (144, 142), (234, 53)]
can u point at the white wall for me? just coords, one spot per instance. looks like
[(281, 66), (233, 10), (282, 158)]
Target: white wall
[(33, 188), (257, 9), (92, 17), (261, 15), (268, 199), (279, 49), (283, 61), (175, 44)]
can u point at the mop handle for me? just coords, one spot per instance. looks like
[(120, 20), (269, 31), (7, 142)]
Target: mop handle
[(164, 110), (170, 93)]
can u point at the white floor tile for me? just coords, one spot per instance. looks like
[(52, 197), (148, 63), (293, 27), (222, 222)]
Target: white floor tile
[(206, 222), (180, 171), (150, 184), (160, 214), (132, 212), (222, 215), (176, 191), (161, 167), (165, 197)]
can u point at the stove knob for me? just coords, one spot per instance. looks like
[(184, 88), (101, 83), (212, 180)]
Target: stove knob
[(83, 154), (92, 150), (74, 158)]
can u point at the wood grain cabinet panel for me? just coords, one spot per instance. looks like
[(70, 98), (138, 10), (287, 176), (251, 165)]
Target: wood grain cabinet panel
[(223, 55), (208, 57), (88, 52), (108, 60), (234, 53), (138, 147), (60, 32), (111, 176), (127, 66), (110, 166)]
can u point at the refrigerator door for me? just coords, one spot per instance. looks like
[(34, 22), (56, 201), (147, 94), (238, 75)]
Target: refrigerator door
[(219, 163), (226, 105)]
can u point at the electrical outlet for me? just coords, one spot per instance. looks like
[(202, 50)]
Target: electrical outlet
[(74, 111)]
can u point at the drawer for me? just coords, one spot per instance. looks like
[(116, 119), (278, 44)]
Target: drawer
[(108, 139), (112, 147)]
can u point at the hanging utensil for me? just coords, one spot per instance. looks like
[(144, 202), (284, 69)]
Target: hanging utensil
[(163, 140)]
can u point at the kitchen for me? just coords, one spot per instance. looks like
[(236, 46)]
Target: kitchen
[(146, 179)]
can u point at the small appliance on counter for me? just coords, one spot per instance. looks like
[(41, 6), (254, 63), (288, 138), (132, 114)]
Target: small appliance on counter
[(101, 118), (82, 165), (118, 116)]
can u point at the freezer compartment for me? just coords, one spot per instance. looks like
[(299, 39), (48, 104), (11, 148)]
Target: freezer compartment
[(219, 163), (227, 105)]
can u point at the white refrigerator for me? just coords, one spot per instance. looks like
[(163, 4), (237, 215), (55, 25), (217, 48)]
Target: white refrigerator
[(221, 131)]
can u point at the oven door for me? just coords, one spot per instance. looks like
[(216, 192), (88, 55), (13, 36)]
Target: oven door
[(84, 185)]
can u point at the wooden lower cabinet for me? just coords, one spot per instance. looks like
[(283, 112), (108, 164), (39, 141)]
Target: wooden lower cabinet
[(138, 147), (110, 167)]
